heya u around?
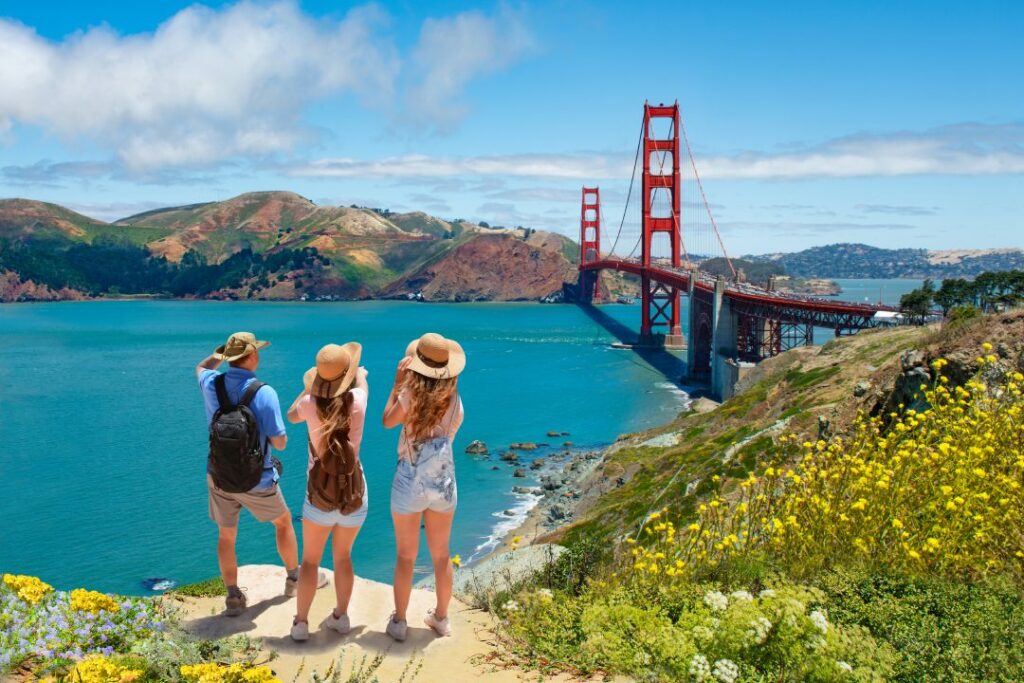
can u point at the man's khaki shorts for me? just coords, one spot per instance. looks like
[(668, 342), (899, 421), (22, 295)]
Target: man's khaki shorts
[(265, 504)]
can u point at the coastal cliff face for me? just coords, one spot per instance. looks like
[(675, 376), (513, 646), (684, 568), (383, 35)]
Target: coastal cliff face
[(277, 245), (500, 267), (13, 288)]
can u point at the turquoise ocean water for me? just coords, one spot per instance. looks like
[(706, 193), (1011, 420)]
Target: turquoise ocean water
[(103, 448)]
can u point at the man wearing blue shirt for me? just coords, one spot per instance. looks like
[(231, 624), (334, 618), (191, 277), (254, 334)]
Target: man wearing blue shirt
[(265, 501)]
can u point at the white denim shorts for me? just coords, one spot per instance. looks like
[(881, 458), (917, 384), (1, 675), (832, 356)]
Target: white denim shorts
[(429, 484), (335, 518)]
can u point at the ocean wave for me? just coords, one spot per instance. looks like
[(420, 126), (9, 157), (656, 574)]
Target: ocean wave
[(677, 391), (524, 503)]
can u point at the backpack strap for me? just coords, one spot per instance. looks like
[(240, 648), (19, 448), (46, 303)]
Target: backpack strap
[(222, 392), (250, 393)]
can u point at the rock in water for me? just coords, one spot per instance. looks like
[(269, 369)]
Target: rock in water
[(159, 584), (509, 456), (477, 448), (520, 473), (523, 446)]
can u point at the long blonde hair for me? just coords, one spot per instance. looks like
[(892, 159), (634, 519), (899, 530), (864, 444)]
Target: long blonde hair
[(429, 401), (335, 418)]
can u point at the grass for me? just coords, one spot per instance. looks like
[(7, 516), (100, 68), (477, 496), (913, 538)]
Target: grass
[(209, 588)]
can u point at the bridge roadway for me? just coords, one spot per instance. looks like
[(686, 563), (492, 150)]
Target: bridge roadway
[(815, 310), (734, 324)]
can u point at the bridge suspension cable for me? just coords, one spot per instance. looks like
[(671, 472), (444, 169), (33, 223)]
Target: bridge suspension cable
[(629, 193), (704, 199)]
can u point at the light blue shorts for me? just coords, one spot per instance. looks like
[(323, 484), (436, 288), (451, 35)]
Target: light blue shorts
[(427, 485), (335, 518)]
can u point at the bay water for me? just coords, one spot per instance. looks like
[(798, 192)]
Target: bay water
[(104, 439), (103, 435)]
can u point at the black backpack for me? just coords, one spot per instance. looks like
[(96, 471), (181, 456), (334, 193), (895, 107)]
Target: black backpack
[(236, 454)]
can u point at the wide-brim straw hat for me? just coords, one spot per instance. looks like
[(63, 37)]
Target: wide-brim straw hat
[(434, 356), (335, 370), (239, 345)]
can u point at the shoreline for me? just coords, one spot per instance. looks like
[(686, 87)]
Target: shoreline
[(562, 493), (557, 498)]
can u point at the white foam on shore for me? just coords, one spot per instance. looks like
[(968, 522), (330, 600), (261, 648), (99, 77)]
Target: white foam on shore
[(678, 392), (524, 503)]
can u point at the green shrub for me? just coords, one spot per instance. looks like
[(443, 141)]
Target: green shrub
[(680, 634), (943, 631)]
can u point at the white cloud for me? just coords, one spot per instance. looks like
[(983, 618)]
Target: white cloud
[(964, 149), (453, 51), (205, 86), (567, 166)]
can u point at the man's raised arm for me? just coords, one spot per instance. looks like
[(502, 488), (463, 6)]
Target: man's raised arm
[(211, 362)]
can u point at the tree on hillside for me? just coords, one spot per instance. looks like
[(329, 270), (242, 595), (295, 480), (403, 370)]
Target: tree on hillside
[(917, 304), (954, 292)]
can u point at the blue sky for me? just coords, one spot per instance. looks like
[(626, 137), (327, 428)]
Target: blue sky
[(894, 124)]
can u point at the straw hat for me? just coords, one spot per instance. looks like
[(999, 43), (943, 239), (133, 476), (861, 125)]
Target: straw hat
[(334, 371), (434, 356), (239, 345)]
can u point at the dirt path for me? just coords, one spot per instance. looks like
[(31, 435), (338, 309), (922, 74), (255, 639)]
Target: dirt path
[(268, 618)]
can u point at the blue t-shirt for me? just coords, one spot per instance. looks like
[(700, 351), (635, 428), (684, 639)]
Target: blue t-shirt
[(265, 406)]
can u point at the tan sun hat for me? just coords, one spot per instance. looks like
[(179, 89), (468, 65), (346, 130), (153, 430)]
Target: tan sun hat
[(239, 345), (434, 356), (334, 371)]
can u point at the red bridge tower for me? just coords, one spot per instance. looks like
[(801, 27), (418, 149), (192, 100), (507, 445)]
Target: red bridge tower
[(660, 302), (590, 240)]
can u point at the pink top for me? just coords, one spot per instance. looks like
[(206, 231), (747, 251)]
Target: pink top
[(448, 426), (306, 409)]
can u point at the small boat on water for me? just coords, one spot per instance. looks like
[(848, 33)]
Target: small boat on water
[(620, 345)]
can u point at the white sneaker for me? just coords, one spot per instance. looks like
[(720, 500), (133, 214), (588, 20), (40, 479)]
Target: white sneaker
[(396, 629), (340, 624), (441, 626), (292, 586), (300, 631)]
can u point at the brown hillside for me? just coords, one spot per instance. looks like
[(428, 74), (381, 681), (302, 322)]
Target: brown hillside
[(498, 267)]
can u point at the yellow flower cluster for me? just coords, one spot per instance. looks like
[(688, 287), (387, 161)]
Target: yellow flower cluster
[(100, 670), (92, 601), (938, 491), (29, 588), (233, 673)]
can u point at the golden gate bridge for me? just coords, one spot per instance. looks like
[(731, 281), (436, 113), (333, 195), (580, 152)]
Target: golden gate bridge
[(730, 321)]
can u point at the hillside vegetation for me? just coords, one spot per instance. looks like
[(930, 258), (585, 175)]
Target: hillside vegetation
[(854, 513), (272, 245), (864, 261)]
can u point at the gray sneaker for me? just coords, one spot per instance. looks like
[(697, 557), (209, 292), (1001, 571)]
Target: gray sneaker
[(234, 604), (291, 586), (396, 629), (340, 624)]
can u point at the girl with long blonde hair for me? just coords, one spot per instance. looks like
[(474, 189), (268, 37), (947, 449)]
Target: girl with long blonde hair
[(333, 406), (425, 402)]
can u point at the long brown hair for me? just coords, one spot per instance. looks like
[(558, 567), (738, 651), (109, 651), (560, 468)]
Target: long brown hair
[(429, 400), (335, 416)]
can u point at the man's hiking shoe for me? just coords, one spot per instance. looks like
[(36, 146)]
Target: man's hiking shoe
[(340, 624), (300, 631), (234, 604), (396, 629), (441, 626), (291, 586)]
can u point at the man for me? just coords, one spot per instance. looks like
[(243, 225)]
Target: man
[(265, 500)]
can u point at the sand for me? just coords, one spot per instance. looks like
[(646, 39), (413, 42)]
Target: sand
[(461, 657)]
